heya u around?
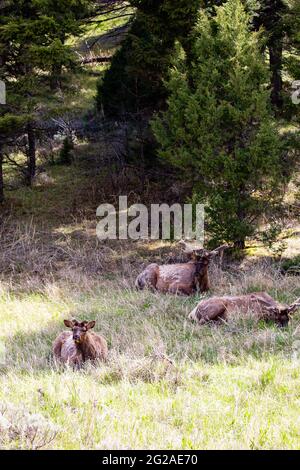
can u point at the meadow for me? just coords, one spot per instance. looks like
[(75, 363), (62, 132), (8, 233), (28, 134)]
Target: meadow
[(168, 383)]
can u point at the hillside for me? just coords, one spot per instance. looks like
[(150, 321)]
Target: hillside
[(168, 383)]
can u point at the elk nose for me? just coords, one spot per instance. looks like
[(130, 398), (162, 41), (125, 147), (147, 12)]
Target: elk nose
[(76, 337)]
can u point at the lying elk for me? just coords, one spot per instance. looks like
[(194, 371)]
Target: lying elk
[(259, 304), (79, 345), (183, 278)]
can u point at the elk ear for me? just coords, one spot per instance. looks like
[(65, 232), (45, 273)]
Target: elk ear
[(218, 250), (190, 248), (69, 323), (90, 325), (294, 307)]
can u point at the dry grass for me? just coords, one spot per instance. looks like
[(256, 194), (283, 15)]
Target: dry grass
[(168, 383), (23, 430)]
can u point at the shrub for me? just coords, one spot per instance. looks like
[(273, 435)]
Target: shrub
[(218, 126)]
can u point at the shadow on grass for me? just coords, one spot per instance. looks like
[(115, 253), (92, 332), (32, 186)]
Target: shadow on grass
[(158, 348)]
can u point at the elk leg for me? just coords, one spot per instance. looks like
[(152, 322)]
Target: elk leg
[(57, 348), (203, 283), (211, 313)]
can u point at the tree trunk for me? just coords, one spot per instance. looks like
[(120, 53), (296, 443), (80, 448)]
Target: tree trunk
[(1, 178), (55, 80), (56, 73), (275, 51), (100, 59), (239, 244), (31, 155), (271, 16)]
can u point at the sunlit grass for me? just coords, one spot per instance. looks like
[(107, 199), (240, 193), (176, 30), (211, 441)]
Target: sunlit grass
[(167, 383), (214, 407)]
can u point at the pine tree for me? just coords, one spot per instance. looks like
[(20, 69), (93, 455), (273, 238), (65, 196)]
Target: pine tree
[(270, 15), (33, 54), (134, 81), (292, 28), (219, 131), (10, 127), (65, 156), (280, 21)]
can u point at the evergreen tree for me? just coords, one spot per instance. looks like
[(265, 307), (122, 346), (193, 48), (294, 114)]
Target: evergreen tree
[(292, 28), (279, 20), (33, 53), (134, 82), (65, 155), (10, 126), (270, 15), (219, 132)]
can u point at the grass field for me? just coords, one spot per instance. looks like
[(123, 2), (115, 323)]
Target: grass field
[(168, 383)]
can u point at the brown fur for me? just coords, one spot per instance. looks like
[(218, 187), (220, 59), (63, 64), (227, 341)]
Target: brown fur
[(79, 345), (183, 278), (260, 304)]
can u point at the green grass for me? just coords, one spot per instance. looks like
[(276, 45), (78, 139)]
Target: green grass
[(242, 413), (167, 383)]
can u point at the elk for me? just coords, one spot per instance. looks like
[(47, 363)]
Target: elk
[(80, 344), (184, 278), (259, 304)]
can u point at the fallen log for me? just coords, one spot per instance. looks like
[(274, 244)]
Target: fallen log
[(96, 59)]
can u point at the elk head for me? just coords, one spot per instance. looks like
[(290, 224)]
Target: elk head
[(79, 329), (198, 253), (281, 313)]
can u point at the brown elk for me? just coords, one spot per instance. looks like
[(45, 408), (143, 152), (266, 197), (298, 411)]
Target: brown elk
[(183, 278), (259, 304), (79, 345)]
